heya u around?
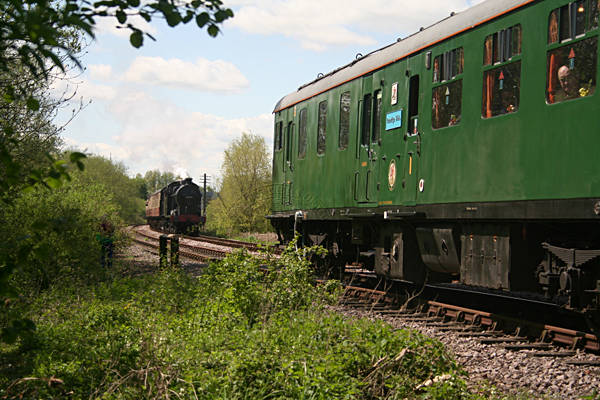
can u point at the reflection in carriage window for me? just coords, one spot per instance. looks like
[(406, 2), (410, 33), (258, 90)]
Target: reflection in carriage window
[(448, 65), (502, 45), (446, 109), (377, 117), (553, 27), (571, 71), (572, 20), (501, 87), (278, 136), (344, 120), (302, 134), (593, 14), (322, 127), (580, 17)]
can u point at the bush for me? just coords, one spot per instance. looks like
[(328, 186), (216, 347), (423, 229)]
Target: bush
[(244, 329), (60, 228)]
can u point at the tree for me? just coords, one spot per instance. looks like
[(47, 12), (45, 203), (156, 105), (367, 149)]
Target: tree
[(34, 35), (156, 180), (31, 30), (112, 176), (245, 195)]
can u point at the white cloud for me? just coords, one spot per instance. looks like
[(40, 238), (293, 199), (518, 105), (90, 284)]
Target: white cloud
[(82, 90), (155, 134), (110, 26), (101, 72), (214, 76), (319, 24)]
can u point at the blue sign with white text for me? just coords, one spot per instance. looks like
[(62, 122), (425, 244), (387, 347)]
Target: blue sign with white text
[(393, 120)]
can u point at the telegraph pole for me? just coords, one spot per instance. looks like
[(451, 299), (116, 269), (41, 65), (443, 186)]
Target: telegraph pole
[(204, 199)]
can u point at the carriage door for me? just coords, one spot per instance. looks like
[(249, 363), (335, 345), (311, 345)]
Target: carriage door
[(413, 143), (288, 164), (368, 143)]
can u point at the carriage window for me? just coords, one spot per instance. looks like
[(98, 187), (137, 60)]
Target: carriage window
[(501, 90), (322, 127), (447, 101), (448, 65), (278, 136), (302, 134), (572, 20), (344, 120), (501, 82), (447, 98), (502, 45), (571, 71), (377, 117)]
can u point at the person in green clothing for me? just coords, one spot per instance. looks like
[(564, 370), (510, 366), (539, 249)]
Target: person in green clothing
[(105, 238)]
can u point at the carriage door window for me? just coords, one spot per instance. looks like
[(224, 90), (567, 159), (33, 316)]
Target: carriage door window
[(322, 127), (278, 135), (413, 106), (344, 121), (288, 143), (302, 134), (366, 121), (376, 138)]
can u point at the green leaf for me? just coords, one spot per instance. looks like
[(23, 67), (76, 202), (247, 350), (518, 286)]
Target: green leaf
[(121, 16), (221, 15), (146, 16), (133, 3), (213, 30), (188, 17), (136, 39), (33, 104), (202, 19), (173, 18)]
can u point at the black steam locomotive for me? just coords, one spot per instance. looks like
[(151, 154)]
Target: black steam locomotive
[(176, 208)]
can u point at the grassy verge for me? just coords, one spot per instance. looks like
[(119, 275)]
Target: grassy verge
[(233, 333)]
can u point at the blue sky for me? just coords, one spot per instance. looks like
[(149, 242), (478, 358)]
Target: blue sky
[(175, 104)]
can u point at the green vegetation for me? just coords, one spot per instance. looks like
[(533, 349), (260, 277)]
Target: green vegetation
[(40, 41), (155, 179), (244, 197), (126, 193), (59, 227), (235, 332)]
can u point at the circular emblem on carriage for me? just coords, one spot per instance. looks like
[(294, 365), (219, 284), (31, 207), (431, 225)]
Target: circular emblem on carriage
[(597, 208), (392, 175), (421, 185)]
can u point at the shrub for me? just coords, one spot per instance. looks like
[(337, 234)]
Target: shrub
[(60, 228)]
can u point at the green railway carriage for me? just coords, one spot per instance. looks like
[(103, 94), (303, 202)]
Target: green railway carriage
[(469, 149)]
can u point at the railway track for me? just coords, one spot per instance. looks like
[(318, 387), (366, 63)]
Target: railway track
[(555, 365), (486, 327), (195, 248), (236, 244)]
